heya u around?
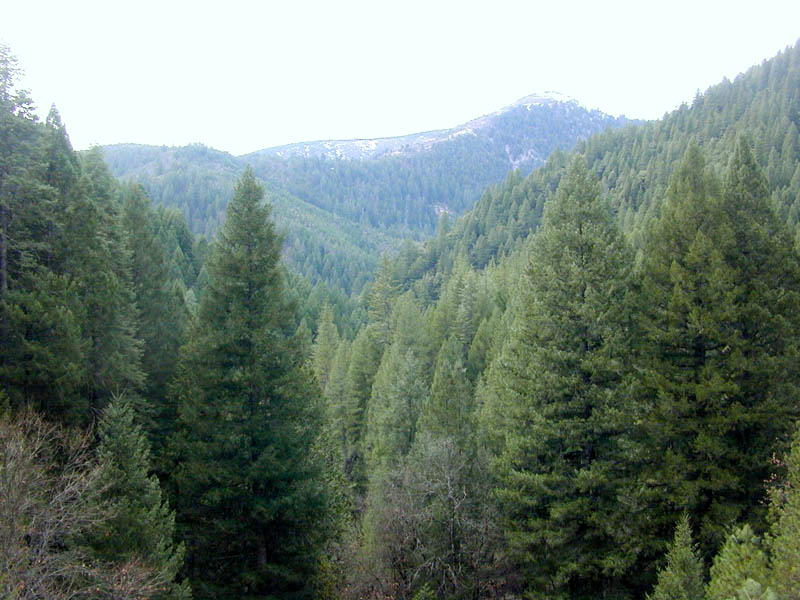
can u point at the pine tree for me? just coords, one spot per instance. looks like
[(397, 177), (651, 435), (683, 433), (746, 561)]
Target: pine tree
[(97, 259), (365, 358), (556, 386), (247, 490), (784, 540), (715, 379), (682, 577), (448, 411), (336, 393), (397, 395), (142, 526), (161, 313), (739, 560), (63, 167), (41, 350), (325, 345)]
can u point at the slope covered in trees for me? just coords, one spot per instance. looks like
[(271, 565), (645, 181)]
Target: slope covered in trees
[(634, 164), (121, 348), (586, 388), (341, 214), (582, 386)]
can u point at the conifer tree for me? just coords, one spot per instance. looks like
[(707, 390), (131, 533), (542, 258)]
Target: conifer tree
[(739, 560), (336, 393), (448, 410), (63, 167), (142, 526), (715, 381), (325, 345), (397, 395), (557, 384), (247, 489), (784, 540), (96, 257), (365, 358), (682, 576), (41, 347), (161, 319)]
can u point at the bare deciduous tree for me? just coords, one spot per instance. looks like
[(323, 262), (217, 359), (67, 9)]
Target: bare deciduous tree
[(432, 524), (48, 499)]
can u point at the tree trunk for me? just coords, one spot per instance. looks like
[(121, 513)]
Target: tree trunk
[(262, 553)]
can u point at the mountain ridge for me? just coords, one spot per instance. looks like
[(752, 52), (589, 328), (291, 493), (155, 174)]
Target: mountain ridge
[(368, 148), (397, 190)]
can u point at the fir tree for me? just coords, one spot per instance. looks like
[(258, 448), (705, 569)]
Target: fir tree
[(740, 559), (715, 381), (325, 344), (142, 526), (784, 540), (397, 395), (247, 489), (448, 410), (682, 576), (336, 393), (96, 257), (557, 385), (365, 358), (162, 316)]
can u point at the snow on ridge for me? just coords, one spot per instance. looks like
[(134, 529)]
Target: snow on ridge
[(359, 149), (547, 97)]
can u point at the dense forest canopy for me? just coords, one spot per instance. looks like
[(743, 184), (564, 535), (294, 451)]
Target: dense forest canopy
[(585, 387), (340, 214)]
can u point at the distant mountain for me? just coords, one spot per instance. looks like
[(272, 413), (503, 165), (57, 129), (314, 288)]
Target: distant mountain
[(365, 149), (635, 163), (385, 190)]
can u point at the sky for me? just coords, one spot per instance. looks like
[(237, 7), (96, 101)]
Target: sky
[(239, 76)]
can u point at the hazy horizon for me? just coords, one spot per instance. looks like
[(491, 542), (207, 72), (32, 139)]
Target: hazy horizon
[(240, 78)]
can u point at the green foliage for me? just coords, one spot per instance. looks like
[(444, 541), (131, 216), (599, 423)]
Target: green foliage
[(398, 392), (141, 526), (325, 345), (448, 411), (740, 560), (715, 379), (784, 540), (558, 386), (244, 482), (635, 163), (162, 313), (364, 361), (682, 576), (340, 215)]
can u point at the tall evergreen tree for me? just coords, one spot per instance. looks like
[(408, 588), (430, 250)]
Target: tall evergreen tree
[(98, 260), (365, 359), (41, 350), (248, 492), (142, 527), (682, 576), (397, 394), (448, 410), (161, 318), (558, 383), (325, 344), (716, 383), (740, 558)]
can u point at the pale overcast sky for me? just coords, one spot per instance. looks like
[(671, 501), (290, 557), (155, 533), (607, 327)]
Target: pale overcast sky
[(240, 76)]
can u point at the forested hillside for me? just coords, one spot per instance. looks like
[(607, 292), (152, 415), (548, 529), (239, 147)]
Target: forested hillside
[(634, 164), (340, 215), (136, 366), (584, 388), (595, 355)]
